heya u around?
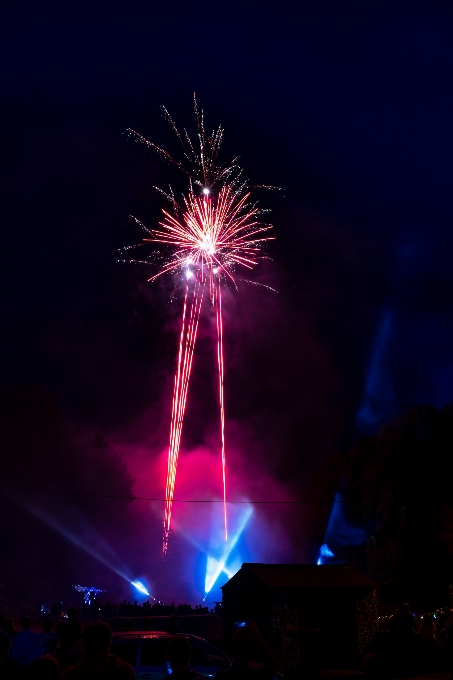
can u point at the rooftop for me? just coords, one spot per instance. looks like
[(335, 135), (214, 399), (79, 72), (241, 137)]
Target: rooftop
[(305, 576)]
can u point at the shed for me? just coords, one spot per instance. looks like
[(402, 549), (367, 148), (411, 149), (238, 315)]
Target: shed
[(312, 616)]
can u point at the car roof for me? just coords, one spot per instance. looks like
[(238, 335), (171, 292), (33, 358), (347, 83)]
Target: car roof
[(128, 634)]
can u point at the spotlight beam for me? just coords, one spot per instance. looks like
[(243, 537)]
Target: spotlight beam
[(141, 588), (221, 564), (89, 548)]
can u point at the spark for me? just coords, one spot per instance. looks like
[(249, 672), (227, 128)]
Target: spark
[(211, 232)]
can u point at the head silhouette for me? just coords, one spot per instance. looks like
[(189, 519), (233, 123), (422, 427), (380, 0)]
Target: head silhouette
[(44, 668), (47, 625), (178, 651), (97, 637), (25, 622), (242, 643)]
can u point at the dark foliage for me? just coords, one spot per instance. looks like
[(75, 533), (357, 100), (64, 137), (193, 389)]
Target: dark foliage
[(397, 485)]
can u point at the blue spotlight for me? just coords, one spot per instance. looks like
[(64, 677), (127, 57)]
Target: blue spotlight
[(85, 537), (324, 551), (339, 535), (214, 566), (88, 539), (141, 588), (378, 402)]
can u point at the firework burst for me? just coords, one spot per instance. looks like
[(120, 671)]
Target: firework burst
[(214, 231)]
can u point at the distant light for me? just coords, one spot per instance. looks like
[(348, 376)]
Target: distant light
[(141, 588), (89, 593), (206, 191), (325, 551), (189, 274), (216, 270)]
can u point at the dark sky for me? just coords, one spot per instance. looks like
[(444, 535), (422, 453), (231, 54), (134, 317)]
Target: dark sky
[(347, 106)]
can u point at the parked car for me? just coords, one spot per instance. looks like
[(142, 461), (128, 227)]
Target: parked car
[(207, 626), (145, 651)]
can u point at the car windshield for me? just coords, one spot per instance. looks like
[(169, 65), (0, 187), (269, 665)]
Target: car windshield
[(204, 654), (153, 648), (152, 651)]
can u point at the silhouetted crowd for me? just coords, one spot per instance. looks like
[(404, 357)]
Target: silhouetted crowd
[(47, 653), (28, 655), (407, 644), (76, 653), (109, 610), (414, 644)]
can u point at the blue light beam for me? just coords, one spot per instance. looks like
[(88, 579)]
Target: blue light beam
[(141, 588), (97, 547), (215, 567)]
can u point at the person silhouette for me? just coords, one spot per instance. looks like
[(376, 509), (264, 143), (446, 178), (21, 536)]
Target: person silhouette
[(97, 663), (25, 646)]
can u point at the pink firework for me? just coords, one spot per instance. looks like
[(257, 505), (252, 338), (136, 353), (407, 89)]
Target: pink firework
[(212, 233)]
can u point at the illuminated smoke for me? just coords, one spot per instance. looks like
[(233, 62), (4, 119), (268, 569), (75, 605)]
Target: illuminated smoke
[(378, 401), (91, 542)]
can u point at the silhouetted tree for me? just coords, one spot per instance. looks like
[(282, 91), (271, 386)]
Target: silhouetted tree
[(398, 485)]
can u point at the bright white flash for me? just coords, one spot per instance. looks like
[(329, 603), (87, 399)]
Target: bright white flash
[(207, 245), (141, 588), (189, 274), (206, 191)]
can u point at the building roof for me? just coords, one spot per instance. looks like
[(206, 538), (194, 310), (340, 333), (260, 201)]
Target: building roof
[(304, 576)]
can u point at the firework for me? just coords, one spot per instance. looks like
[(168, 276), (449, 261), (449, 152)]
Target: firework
[(211, 233)]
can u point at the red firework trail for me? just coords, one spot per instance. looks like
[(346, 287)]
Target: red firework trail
[(189, 327), (214, 231), (222, 406)]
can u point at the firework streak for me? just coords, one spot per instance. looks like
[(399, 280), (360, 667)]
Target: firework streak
[(213, 232)]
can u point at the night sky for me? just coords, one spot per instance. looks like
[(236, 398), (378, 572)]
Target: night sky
[(347, 106)]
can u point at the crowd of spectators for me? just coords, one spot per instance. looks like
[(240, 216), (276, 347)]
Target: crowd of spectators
[(26, 654), (415, 643), (44, 649), (106, 611), (109, 610), (408, 644)]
